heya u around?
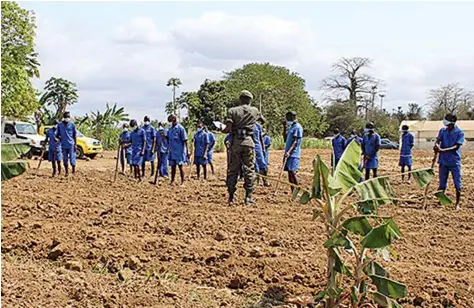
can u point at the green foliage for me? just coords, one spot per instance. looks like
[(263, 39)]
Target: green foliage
[(341, 115), (104, 126), (278, 143), (172, 107), (364, 238), (276, 90), (207, 104), (10, 152), (414, 112), (19, 61)]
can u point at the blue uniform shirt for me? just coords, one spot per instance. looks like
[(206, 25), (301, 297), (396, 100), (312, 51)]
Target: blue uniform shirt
[(257, 133), (338, 143), (137, 136), (267, 141), (149, 136), (161, 141), (357, 139), (408, 140), (126, 137), (67, 133), (201, 140), (212, 141), (176, 138), (227, 138), (449, 139), (371, 145), (52, 143), (295, 132)]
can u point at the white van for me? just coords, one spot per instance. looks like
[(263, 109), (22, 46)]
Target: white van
[(19, 132)]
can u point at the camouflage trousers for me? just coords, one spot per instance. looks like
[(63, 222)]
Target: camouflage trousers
[(241, 155)]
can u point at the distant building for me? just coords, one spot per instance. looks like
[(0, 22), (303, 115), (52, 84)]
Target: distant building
[(425, 132)]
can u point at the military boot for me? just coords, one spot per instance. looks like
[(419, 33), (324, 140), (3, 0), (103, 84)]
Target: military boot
[(248, 199), (231, 199)]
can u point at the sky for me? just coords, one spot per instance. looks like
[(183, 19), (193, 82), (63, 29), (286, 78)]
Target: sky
[(124, 52)]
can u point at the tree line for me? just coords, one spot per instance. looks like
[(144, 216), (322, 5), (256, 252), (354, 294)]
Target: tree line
[(351, 94)]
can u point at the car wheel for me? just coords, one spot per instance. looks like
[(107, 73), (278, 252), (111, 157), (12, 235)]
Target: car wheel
[(92, 156), (79, 153)]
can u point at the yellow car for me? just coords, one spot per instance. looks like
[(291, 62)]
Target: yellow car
[(86, 146)]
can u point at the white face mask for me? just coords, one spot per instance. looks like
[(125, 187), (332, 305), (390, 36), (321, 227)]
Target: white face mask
[(446, 122), (147, 123), (289, 123), (134, 128), (125, 129), (67, 120)]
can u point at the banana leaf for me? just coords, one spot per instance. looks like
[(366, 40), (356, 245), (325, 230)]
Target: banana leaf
[(374, 268), (12, 151), (317, 191), (339, 266), (305, 197), (382, 236), (295, 193), (358, 225), (378, 189), (347, 173), (366, 207), (385, 301), (442, 198), (12, 169), (388, 287), (423, 176)]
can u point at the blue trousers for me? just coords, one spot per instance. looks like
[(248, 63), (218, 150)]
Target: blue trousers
[(444, 174), (163, 164), (69, 155)]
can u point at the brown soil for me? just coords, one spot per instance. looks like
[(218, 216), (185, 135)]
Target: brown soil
[(85, 241)]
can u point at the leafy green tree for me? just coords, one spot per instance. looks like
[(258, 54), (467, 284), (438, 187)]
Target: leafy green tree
[(399, 114), (174, 82), (340, 115), (19, 61), (110, 118), (414, 112), (276, 91)]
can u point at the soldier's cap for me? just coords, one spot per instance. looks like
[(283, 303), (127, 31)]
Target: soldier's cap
[(246, 93)]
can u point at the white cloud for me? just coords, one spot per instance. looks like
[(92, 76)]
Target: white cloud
[(130, 63)]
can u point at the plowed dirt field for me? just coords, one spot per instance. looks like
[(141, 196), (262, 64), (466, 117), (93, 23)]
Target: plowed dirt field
[(85, 241)]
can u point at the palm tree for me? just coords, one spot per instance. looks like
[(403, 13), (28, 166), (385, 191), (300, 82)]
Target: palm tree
[(175, 83), (111, 117)]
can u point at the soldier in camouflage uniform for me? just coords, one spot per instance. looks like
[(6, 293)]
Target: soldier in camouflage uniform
[(240, 124)]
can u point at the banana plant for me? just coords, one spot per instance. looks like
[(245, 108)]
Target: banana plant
[(357, 236), (11, 167)]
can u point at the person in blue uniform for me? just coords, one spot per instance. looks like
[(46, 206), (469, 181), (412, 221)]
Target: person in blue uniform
[(138, 148), (293, 134), (408, 141), (260, 165), (55, 155), (448, 145), (161, 145), (262, 161), (370, 150), (210, 151), (338, 146), (201, 146), (267, 141), (125, 142), (66, 133), (149, 155), (178, 148), (355, 137)]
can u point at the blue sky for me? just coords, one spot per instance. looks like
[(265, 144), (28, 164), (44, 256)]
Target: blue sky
[(125, 51)]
